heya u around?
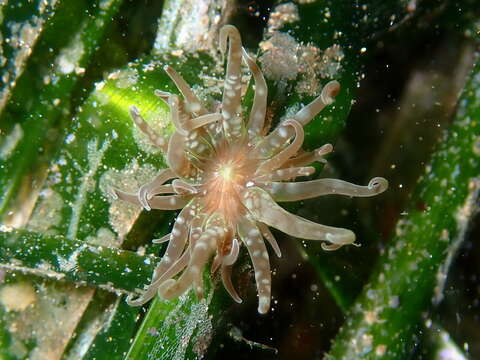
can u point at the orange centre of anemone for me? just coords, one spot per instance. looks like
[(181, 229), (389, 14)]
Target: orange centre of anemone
[(228, 172)]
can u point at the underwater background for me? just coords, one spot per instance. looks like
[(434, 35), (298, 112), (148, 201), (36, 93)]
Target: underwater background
[(408, 110)]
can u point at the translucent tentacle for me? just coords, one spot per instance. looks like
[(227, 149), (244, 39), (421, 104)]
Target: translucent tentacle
[(277, 138), (201, 251), (285, 174), (178, 238), (176, 155), (217, 261), (147, 190), (170, 202), (162, 240), (278, 160), (256, 120), (295, 191), (203, 120), (164, 95), (150, 292), (177, 114), (230, 258), (327, 96), (265, 209), (252, 238), (267, 234), (194, 105), (154, 138), (231, 108), (227, 283), (181, 187), (309, 157)]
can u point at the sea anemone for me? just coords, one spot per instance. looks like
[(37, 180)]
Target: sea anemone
[(226, 174)]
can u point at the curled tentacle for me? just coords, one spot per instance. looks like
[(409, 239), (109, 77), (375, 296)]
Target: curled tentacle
[(327, 96), (170, 202), (278, 160), (252, 238), (154, 138), (226, 272), (153, 187), (277, 138), (295, 191), (231, 108), (265, 209), (256, 120), (193, 103)]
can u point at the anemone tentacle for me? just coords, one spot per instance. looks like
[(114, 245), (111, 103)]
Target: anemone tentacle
[(308, 158), (226, 174), (295, 191), (156, 186), (231, 108), (263, 208), (170, 202), (256, 120), (154, 138), (253, 240), (194, 105), (267, 234), (281, 157), (276, 139), (201, 251), (226, 271)]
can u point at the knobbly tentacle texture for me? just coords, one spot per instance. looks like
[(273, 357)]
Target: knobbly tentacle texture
[(256, 120), (226, 174), (231, 102), (253, 240), (282, 191)]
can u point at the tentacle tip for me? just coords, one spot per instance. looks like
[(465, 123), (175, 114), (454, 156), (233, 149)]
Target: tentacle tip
[(327, 148), (380, 184), (341, 237), (112, 192), (263, 305), (330, 91), (330, 247), (134, 110), (144, 203), (199, 292), (132, 301)]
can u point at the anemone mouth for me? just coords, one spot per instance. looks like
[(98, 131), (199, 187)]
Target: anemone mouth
[(227, 174)]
